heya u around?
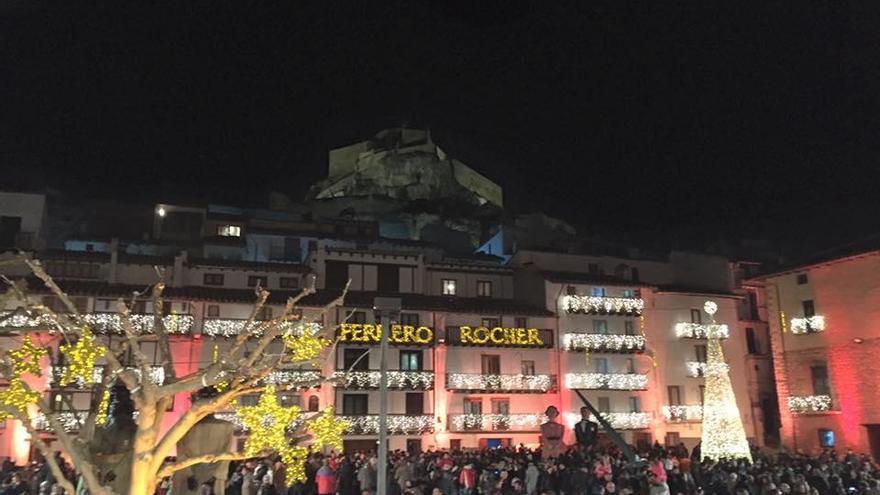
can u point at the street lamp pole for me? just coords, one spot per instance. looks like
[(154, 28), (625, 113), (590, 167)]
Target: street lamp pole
[(387, 310)]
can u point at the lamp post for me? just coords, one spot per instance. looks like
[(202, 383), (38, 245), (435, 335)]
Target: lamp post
[(387, 311)]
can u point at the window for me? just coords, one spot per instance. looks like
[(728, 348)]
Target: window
[(265, 313), (630, 365), (629, 328), (356, 359), (601, 365), (356, 317), (484, 288), (213, 311), (255, 280), (229, 230), (521, 322), (674, 394), (335, 274), (801, 278), (490, 322), (314, 404), (448, 287), (751, 341), (491, 364), (634, 274), (809, 308), (411, 360), (593, 268), (700, 353), (600, 326), (598, 292), (213, 279), (473, 405), (603, 404), (696, 316), (826, 438), (455, 444), (388, 278), (288, 282), (288, 400), (672, 439), (500, 407), (819, 375), (415, 403), (354, 404), (627, 293), (411, 319), (702, 394), (570, 290), (634, 405), (527, 368)]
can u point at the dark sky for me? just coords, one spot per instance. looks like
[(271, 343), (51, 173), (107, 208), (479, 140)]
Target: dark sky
[(652, 118)]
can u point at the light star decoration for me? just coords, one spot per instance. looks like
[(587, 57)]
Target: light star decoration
[(267, 423), (306, 345), (81, 359), (17, 396), (27, 358), (327, 430)]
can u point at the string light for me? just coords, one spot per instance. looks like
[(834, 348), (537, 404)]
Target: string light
[(416, 380), (680, 413), (327, 429), (699, 369), (617, 420), (305, 345), (688, 330), (307, 378), (105, 322), (474, 381), (397, 425), (489, 422), (810, 324), (17, 396), (227, 327), (603, 342), (802, 404), (606, 381), (70, 421), (157, 375), (81, 358), (26, 359), (268, 422), (103, 408), (597, 304)]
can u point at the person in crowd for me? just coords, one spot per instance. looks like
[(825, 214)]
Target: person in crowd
[(325, 479)]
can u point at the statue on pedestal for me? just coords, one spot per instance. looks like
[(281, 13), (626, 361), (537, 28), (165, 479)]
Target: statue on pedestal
[(551, 435)]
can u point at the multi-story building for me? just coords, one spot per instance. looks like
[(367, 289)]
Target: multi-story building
[(825, 349)]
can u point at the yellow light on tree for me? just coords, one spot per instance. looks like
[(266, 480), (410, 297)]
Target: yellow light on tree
[(17, 396), (267, 423), (306, 345), (723, 433), (27, 358), (327, 430), (81, 358)]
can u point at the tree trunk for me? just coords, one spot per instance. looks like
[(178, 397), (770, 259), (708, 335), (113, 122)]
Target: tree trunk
[(143, 478), (143, 469)]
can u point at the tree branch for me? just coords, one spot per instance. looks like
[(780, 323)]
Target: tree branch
[(170, 469), (48, 454)]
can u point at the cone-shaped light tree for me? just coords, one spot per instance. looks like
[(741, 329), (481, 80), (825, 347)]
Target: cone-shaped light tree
[(723, 433)]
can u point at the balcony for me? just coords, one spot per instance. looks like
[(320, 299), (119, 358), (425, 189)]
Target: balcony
[(699, 369), (687, 330), (302, 378), (809, 404), (812, 324), (473, 382), (683, 414), (157, 375), (398, 424), (603, 305), (232, 327), (71, 420), (529, 422), (403, 380), (103, 322), (607, 343), (606, 381), (627, 420)]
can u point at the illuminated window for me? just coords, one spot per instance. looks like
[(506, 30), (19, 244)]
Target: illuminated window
[(598, 292), (411, 360), (229, 230), (484, 288), (448, 287)]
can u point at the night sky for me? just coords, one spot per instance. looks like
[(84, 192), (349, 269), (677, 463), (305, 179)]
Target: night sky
[(685, 119)]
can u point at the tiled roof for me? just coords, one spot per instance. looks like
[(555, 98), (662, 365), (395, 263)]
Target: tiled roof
[(265, 266), (590, 278)]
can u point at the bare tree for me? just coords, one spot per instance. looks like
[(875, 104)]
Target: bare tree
[(241, 369)]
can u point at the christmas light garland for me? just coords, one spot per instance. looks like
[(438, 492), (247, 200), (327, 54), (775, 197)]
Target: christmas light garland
[(606, 381), (811, 324), (805, 404), (70, 420), (415, 380), (490, 422), (597, 304), (681, 413), (104, 322), (308, 378), (517, 382), (687, 330), (157, 375), (699, 369), (397, 425), (598, 342), (230, 327)]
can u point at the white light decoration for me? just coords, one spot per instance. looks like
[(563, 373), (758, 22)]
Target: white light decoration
[(606, 381), (710, 307), (71, 421), (808, 325), (681, 413), (308, 378), (697, 331), (397, 425), (142, 323), (239, 424), (598, 342), (20, 320), (421, 380), (617, 420), (492, 422), (805, 404), (229, 327), (697, 369), (157, 374), (598, 304), (518, 382)]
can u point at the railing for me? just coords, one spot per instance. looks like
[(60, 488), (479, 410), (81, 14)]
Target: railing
[(808, 404), (606, 381), (104, 322), (398, 424), (811, 324), (683, 414), (305, 378), (230, 327), (495, 422), (157, 375), (627, 420), (599, 342), (508, 383), (687, 330), (71, 421), (699, 369), (603, 305), (414, 380)]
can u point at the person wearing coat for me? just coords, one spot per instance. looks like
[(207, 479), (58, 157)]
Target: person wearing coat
[(325, 478)]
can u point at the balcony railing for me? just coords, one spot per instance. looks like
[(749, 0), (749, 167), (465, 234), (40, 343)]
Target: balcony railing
[(809, 404), (71, 420), (230, 327), (603, 305), (104, 322), (606, 381), (508, 383), (412, 380), (496, 422), (687, 330), (699, 369), (398, 424), (811, 324), (305, 378), (683, 414), (157, 375), (599, 342), (618, 420)]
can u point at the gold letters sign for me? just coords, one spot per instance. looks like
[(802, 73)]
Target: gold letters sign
[(400, 334), (526, 337)]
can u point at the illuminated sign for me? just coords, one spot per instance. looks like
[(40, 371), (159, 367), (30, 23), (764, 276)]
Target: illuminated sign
[(525, 337), (369, 333)]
